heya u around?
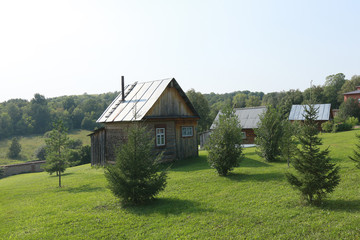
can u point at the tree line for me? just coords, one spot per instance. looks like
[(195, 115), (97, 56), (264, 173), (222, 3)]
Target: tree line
[(19, 117), (208, 105)]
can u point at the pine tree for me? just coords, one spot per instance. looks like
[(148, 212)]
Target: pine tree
[(269, 135), (15, 148), (136, 177), (356, 156), (315, 175), (224, 145), (57, 150)]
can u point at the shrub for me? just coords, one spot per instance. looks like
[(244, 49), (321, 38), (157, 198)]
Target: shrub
[(40, 152), (224, 145), (74, 157), (353, 121), (74, 144), (15, 148), (269, 135), (339, 127), (327, 126), (136, 176), (356, 153), (85, 154), (2, 172)]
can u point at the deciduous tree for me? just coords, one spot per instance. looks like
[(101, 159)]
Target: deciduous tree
[(57, 150)]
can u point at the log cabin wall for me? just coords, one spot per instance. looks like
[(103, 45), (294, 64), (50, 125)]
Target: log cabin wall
[(98, 147), (186, 146), (250, 136)]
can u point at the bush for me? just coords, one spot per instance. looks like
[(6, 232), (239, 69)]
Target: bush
[(353, 121), (136, 176), (85, 154), (327, 126), (224, 145), (74, 157), (40, 152), (269, 135), (74, 144), (2, 172), (15, 148), (340, 127)]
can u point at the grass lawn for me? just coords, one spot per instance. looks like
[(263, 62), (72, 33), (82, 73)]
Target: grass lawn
[(30, 143), (254, 202)]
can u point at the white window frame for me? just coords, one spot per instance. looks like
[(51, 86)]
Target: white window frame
[(243, 135), (187, 131), (160, 136)]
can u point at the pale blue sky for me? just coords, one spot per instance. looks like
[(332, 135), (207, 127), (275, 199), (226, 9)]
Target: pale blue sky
[(70, 47)]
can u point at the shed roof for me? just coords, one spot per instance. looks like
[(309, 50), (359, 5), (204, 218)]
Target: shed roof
[(249, 117), (139, 99), (298, 111), (353, 92)]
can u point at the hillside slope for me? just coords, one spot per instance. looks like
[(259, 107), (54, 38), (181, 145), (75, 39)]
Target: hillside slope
[(253, 202), (30, 143)]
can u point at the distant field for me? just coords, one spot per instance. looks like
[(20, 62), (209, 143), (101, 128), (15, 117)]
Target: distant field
[(30, 143), (254, 202)]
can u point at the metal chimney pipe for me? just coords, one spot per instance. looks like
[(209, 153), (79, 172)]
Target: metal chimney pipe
[(122, 88)]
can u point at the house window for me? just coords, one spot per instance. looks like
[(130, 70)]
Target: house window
[(160, 137), (243, 135), (187, 131)]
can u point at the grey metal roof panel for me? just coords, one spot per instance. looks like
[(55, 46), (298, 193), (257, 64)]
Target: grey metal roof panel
[(249, 118), (324, 110), (137, 102), (353, 92)]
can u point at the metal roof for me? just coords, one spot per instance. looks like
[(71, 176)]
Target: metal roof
[(298, 111), (353, 92), (139, 99), (249, 118)]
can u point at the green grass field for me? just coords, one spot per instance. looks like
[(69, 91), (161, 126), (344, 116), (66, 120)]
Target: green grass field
[(30, 143), (254, 202)]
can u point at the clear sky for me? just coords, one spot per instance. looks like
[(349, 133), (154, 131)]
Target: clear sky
[(71, 47)]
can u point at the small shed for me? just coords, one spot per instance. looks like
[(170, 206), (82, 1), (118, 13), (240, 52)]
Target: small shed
[(162, 106), (249, 119), (324, 113)]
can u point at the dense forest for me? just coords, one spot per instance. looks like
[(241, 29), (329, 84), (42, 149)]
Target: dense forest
[(20, 117)]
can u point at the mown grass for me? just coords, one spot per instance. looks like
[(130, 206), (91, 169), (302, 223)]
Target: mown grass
[(30, 143), (254, 202)]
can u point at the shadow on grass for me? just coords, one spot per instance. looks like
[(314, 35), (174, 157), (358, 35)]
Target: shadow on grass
[(163, 206), (167, 206), (263, 177), (342, 205), (62, 175), (190, 164), (248, 162), (83, 188)]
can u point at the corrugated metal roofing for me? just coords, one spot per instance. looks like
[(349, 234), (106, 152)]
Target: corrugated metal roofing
[(248, 117), (297, 112), (353, 92), (138, 101)]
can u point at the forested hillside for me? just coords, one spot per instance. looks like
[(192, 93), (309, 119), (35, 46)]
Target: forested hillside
[(20, 117)]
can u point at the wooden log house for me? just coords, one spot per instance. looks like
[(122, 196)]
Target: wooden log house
[(162, 106)]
